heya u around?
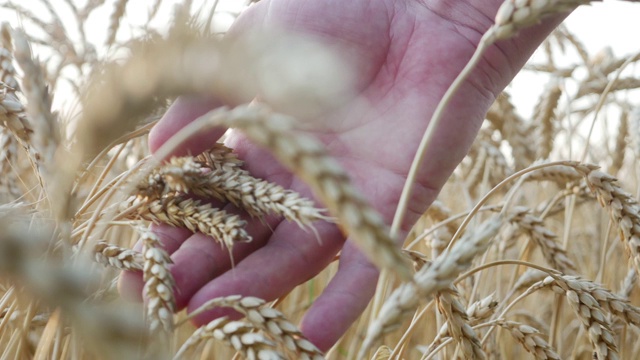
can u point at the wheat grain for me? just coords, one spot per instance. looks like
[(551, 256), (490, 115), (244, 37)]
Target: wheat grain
[(117, 257), (530, 338)]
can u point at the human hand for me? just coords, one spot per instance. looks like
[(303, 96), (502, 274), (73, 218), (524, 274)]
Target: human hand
[(404, 54)]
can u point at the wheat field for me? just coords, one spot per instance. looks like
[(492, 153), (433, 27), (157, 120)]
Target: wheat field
[(531, 250)]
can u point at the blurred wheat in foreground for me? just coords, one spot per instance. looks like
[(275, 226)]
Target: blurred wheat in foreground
[(545, 266)]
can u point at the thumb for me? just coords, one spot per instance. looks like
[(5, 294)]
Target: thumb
[(181, 113)]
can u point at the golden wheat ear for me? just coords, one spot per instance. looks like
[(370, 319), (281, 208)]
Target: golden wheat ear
[(331, 184)]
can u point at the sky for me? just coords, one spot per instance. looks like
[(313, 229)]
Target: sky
[(611, 24)]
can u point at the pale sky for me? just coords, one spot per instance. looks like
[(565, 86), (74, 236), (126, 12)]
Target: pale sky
[(609, 23)]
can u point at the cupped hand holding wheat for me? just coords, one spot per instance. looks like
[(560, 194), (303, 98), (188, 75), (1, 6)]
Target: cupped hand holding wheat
[(403, 54)]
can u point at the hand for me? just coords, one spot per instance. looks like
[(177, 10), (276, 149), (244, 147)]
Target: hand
[(406, 53)]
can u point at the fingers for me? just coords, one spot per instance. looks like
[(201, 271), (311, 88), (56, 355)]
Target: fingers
[(182, 112), (201, 258), (342, 301), (291, 257)]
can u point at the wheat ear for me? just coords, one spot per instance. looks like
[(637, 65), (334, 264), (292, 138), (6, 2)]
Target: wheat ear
[(530, 339), (241, 335), (430, 279), (117, 257), (270, 320)]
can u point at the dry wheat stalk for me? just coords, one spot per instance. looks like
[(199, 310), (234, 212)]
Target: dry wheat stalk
[(514, 15), (269, 320), (458, 325), (241, 335), (158, 283), (534, 227), (622, 206), (117, 257), (530, 338), (191, 214), (544, 119), (436, 277)]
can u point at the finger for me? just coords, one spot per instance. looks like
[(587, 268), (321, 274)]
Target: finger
[(343, 300), (291, 257), (181, 113), (201, 259), (131, 283)]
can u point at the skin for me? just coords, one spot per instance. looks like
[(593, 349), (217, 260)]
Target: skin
[(405, 54)]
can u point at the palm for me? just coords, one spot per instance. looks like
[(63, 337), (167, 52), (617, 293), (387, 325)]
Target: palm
[(407, 53)]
